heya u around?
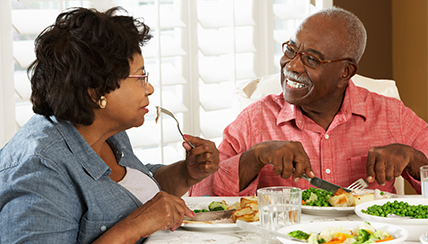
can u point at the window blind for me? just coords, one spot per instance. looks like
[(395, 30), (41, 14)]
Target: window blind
[(201, 51)]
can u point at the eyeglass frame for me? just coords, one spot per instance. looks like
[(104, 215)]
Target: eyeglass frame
[(145, 77), (319, 60)]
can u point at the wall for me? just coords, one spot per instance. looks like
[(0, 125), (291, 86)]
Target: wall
[(376, 16), (397, 48), (410, 27)]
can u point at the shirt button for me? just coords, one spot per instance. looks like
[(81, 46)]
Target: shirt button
[(326, 136), (103, 228), (328, 171)]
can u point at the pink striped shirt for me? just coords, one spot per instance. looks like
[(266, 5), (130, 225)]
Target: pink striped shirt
[(338, 155)]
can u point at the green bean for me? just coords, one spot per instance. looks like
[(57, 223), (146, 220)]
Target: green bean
[(399, 208)]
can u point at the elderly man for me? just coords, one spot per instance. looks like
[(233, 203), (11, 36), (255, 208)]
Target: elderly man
[(322, 124)]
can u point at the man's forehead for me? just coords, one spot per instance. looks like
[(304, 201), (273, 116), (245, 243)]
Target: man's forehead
[(319, 33)]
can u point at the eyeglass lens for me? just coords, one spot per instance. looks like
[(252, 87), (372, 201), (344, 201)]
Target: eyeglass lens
[(307, 59)]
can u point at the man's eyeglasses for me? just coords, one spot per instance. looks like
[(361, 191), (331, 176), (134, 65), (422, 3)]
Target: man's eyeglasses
[(307, 59), (143, 78)]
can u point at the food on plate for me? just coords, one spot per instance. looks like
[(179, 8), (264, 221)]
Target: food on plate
[(218, 206), (316, 197), (248, 209), (341, 198), (364, 233), (399, 208)]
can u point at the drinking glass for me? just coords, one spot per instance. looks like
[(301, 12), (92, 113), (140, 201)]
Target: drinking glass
[(279, 206), (424, 180)]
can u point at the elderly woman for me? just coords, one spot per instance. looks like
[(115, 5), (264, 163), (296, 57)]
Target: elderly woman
[(69, 175)]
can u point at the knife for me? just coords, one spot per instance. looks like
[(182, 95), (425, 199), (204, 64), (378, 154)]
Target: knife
[(320, 183), (209, 216), (323, 184)]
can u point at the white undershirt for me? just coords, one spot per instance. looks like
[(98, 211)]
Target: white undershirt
[(139, 184)]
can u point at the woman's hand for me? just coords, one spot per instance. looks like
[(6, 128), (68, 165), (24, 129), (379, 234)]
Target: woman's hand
[(202, 160), (162, 212)]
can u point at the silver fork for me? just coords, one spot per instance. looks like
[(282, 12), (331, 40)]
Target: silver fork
[(167, 112), (358, 185)]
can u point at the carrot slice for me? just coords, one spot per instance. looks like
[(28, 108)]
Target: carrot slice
[(386, 239)]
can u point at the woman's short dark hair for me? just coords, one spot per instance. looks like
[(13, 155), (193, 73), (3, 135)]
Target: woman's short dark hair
[(84, 49)]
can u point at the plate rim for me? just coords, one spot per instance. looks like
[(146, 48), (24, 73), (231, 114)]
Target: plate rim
[(346, 222), (208, 226), (373, 218)]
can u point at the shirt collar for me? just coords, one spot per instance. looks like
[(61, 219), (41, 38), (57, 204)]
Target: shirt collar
[(83, 152), (353, 103)]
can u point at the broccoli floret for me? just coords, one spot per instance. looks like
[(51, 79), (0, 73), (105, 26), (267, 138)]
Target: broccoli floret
[(200, 210), (298, 234), (379, 235), (217, 206), (322, 240), (362, 236)]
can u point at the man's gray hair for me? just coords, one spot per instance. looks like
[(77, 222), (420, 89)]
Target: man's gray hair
[(356, 32)]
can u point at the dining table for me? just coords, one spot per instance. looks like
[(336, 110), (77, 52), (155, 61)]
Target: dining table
[(212, 233)]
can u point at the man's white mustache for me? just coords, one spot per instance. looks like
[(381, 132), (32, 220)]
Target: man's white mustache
[(293, 76)]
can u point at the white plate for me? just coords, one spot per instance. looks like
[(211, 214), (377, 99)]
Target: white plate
[(424, 238), (399, 233), (203, 202), (333, 211), (416, 227), (328, 211)]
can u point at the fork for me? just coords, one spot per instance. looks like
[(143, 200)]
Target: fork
[(358, 185), (167, 112)]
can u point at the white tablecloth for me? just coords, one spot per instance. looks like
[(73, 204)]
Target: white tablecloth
[(235, 236)]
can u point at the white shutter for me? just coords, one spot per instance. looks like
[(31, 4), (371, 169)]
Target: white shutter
[(201, 50)]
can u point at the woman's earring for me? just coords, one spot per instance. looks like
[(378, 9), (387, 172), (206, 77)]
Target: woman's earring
[(102, 102)]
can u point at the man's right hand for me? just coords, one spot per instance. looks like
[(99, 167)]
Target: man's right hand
[(288, 158)]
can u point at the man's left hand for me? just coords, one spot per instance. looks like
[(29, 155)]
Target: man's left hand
[(387, 162)]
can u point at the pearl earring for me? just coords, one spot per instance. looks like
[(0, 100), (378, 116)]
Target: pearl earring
[(102, 102)]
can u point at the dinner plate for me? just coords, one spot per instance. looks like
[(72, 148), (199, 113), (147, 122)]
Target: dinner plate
[(424, 238), (334, 211), (328, 211), (416, 227), (203, 202), (398, 233)]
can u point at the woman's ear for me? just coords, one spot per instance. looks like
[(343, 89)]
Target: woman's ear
[(93, 95)]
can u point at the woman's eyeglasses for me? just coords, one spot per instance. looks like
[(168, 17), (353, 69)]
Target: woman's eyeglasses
[(143, 78), (307, 59)]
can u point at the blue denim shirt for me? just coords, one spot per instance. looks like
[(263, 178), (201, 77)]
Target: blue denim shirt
[(55, 189)]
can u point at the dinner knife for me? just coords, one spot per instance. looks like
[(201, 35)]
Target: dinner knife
[(320, 183), (209, 216), (323, 184)]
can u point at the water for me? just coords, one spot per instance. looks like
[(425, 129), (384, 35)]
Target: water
[(424, 184), (275, 217)]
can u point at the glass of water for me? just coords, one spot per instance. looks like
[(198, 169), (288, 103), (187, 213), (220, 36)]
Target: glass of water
[(424, 180), (279, 206)]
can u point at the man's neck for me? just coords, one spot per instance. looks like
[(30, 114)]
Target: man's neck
[(324, 115)]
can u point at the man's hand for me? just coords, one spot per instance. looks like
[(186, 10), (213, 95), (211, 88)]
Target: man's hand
[(287, 157), (387, 162)]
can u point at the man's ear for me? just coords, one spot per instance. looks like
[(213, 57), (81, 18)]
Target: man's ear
[(349, 70)]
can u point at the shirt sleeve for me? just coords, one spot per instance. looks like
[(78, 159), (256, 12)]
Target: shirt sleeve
[(414, 133), (225, 182), (38, 206)]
